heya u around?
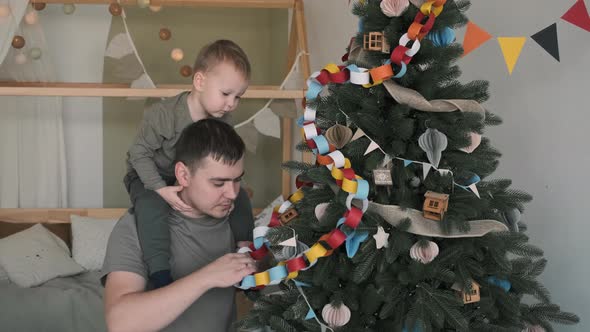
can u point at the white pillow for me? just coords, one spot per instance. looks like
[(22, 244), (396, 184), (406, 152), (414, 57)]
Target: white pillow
[(263, 218), (90, 237), (3, 275), (34, 256)]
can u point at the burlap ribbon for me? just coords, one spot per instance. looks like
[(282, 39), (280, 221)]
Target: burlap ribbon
[(394, 215)]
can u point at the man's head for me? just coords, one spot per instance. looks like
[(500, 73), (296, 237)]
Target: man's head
[(210, 166), (222, 74)]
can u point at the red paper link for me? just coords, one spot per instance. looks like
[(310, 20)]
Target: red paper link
[(258, 254), (274, 220), (353, 217), (296, 264), (335, 238)]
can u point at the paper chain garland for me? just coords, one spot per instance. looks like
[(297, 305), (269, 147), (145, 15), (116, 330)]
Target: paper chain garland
[(340, 166)]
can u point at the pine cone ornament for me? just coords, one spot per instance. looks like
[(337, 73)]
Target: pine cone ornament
[(424, 252)]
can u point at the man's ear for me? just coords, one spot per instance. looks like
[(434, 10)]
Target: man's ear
[(199, 81), (182, 173)]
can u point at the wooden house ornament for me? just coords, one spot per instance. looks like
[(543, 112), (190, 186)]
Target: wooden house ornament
[(375, 41), (470, 296), (435, 205), (288, 215)]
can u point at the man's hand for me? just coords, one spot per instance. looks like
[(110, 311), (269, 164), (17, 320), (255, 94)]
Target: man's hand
[(170, 195), (229, 269)]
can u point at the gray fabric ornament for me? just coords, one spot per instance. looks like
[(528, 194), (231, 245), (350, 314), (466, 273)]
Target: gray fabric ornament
[(415, 182), (288, 252), (433, 142), (512, 217)]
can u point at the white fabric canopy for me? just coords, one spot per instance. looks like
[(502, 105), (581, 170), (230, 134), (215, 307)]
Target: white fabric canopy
[(32, 149)]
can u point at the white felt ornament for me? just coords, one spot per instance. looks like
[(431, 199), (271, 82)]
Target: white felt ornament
[(534, 328), (381, 238), (433, 142), (320, 209), (475, 141), (424, 253), (336, 316), (394, 8)]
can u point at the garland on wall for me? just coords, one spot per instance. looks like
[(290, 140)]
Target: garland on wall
[(511, 47)]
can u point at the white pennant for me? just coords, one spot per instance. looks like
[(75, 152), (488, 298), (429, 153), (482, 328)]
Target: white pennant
[(474, 189), (373, 146), (268, 123), (358, 134), (119, 47), (425, 169), (292, 242), (143, 82)]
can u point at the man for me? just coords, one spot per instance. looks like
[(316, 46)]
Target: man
[(209, 168)]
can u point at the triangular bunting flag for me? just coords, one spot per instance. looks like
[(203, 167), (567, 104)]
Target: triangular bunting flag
[(358, 134), (310, 314), (511, 48), (578, 15), (473, 188), (373, 146), (474, 38), (292, 242), (425, 169), (119, 46), (407, 163), (547, 39)]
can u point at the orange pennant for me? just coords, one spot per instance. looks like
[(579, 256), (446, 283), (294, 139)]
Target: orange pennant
[(511, 48), (474, 37)]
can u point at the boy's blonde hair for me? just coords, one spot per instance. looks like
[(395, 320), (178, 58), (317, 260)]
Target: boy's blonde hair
[(220, 51)]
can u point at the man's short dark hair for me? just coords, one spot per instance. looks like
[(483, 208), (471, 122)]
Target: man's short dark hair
[(209, 137)]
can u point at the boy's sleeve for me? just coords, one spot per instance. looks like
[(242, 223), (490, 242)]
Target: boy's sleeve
[(154, 128)]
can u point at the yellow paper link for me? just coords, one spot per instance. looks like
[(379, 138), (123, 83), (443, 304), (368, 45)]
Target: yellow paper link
[(437, 10), (332, 68), (296, 197), (316, 251), (350, 186), (426, 7), (370, 85), (262, 278), (337, 172), (291, 275)]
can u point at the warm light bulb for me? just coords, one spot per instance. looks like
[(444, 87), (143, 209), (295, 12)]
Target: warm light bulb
[(177, 54), (32, 17)]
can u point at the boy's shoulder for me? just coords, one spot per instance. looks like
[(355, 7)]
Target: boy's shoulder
[(166, 110)]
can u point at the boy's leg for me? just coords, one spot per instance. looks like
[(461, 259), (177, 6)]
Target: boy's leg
[(151, 215)]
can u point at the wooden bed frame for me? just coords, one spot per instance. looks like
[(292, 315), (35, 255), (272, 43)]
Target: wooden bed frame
[(13, 220)]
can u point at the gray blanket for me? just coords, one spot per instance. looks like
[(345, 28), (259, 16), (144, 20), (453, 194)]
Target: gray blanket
[(62, 304)]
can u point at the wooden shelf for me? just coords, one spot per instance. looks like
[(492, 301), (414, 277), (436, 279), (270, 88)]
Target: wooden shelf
[(124, 90), (187, 3)]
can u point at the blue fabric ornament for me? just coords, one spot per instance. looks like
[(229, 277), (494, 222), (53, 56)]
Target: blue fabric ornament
[(502, 283), (443, 37)]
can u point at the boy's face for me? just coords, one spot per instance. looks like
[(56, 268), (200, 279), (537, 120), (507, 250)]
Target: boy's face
[(220, 89), (212, 188)]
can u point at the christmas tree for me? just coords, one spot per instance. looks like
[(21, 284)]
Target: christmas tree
[(398, 226)]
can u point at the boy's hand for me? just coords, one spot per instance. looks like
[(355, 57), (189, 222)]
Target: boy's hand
[(229, 269), (170, 195)]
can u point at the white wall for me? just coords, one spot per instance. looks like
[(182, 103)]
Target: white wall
[(77, 43), (543, 138)]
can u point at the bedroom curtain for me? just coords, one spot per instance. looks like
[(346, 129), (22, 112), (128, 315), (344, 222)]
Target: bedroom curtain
[(32, 148)]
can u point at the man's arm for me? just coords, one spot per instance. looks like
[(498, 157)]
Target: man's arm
[(128, 307)]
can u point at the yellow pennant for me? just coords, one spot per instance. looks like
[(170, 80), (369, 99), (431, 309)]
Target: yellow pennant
[(511, 48)]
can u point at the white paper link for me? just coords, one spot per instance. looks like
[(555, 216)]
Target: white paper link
[(309, 114), (310, 131), (404, 40), (338, 158), (349, 203), (260, 231), (360, 78), (286, 204)]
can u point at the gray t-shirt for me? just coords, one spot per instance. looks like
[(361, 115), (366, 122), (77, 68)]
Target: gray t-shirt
[(194, 244)]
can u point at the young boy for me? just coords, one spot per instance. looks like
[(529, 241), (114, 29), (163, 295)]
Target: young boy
[(221, 76)]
